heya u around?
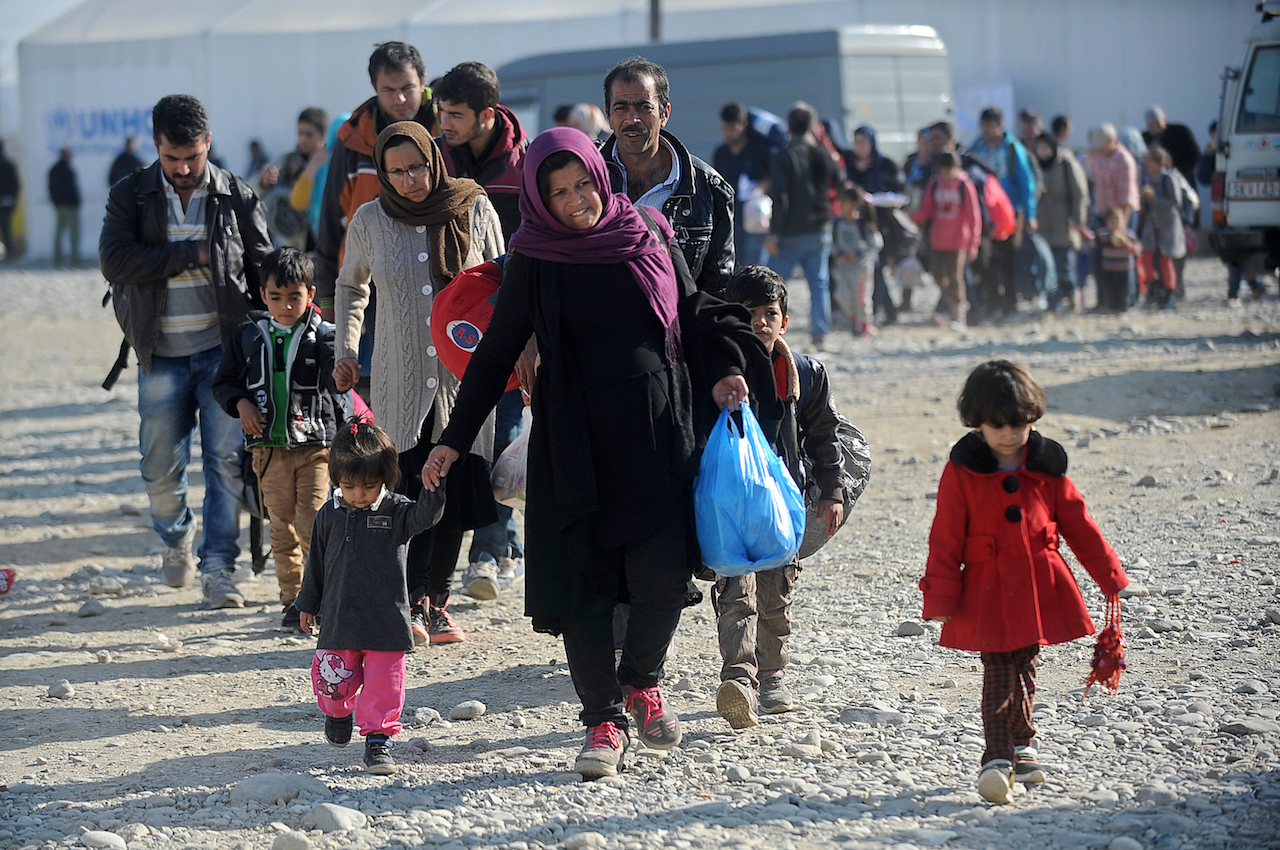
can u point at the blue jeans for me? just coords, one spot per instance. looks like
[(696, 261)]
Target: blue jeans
[(176, 393), (748, 248), (501, 539), (810, 251)]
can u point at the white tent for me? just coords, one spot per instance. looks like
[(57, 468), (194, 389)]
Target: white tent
[(89, 78)]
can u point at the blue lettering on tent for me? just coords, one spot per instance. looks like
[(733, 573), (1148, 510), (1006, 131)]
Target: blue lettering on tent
[(96, 131)]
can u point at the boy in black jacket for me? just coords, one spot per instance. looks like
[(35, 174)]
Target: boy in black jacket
[(277, 379), (753, 612)]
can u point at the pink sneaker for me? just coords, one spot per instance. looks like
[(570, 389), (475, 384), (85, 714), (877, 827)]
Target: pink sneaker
[(659, 728), (602, 753)]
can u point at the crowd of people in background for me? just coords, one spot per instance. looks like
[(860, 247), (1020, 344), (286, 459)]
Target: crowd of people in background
[(1008, 219)]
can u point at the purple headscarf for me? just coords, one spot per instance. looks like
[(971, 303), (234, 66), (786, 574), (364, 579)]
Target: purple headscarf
[(620, 236)]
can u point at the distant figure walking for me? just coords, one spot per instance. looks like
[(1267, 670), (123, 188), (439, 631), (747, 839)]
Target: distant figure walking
[(125, 163), (64, 192)]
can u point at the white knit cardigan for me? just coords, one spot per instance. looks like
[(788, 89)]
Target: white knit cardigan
[(406, 377)]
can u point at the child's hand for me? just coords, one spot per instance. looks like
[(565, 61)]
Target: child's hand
[(250, 418), (345, 373), (306, 621), (940, 619), (831, 511), (437, 466)]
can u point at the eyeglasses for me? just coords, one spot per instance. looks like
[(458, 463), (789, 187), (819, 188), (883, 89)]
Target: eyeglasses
[(415, 172)]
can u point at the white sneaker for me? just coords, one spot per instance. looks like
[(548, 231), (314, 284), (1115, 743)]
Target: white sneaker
[(736, 702), (995, 781), (480, 581), (177, 566), (220, 591), (510, 572)]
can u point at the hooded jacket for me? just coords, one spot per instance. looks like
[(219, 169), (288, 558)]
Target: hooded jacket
[(249, 362), (138, 259), (803, 175), (700, 211), (351, 182), (497, 169), (882, 176), (994, 567)]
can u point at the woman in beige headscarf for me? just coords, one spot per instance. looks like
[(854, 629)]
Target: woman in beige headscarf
[(423, 229)]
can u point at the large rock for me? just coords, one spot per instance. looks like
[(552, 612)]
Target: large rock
[(277, 788), (468, 710), (330, 817)]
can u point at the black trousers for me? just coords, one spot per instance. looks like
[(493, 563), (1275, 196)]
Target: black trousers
[(999, 290), (656, 573)]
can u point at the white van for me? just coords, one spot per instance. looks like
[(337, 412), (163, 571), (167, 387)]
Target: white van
[(1246, 183)]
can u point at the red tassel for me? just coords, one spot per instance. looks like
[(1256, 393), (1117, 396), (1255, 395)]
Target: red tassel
[(1108, 652)]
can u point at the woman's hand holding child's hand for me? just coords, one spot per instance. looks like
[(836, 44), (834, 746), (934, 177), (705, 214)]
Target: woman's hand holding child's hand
[(345, 373), (250, 419), (437, 466), (730, 392)]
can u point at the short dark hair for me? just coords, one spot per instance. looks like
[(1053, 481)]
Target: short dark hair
[(180, 119), (755, 286), (395, 56), (943, 128), (561, 115), (362, 452), (630, 70), (851, 191), (800, 118), (1160, 155), (1059, 123), (946, 159), (287, 267), (555, 162), (991, 115), (733, 112), (471, 83), (999, 393), (316, 117), (1028, 115)]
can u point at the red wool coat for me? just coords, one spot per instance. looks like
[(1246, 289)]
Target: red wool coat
[(994, 566)]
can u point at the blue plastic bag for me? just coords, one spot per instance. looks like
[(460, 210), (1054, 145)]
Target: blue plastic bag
[(749, 511)]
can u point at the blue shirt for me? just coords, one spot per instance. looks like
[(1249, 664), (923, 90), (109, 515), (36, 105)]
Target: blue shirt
[(1013, 168)]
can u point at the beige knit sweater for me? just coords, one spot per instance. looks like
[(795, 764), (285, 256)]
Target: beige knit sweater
[(406, 376)]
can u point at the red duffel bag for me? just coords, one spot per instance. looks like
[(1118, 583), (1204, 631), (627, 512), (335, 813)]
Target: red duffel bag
[(460, 315)]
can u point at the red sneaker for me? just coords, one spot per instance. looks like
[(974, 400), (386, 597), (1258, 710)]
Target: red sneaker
[(441, 627), (602, 753)]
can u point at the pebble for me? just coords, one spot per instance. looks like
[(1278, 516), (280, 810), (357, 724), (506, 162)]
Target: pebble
[(468, 710), (737, 773), (1253, 686), (584, 841), (291, 841), (62, 689), (873, 716), (102, 840), (277, 788), (330, 817), (910, 629), (91, 608), (103, 656), (1124, 842), (1251, 726)]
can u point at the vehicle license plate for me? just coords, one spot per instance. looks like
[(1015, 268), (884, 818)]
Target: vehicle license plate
[(1252, 190)]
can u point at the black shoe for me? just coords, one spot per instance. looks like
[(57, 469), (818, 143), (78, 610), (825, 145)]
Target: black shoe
[(292, 619), (337, 730), (377, 755)]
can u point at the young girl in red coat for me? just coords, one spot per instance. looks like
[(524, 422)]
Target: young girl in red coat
[(995, 577)]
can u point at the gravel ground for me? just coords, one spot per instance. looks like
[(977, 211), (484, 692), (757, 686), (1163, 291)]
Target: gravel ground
[(131, 718)]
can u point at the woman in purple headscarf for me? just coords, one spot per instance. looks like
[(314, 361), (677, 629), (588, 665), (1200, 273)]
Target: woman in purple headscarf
[(612, 450)]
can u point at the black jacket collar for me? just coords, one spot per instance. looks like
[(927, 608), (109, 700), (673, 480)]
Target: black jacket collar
[(1043, 455), (151, 179), (684, 186)]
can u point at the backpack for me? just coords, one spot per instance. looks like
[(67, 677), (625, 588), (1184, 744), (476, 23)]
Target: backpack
[(461, 313), (854, 475), (998, 218)]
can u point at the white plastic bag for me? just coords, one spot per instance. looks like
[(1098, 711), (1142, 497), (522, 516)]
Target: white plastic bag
[(757, 213), (511, 469)]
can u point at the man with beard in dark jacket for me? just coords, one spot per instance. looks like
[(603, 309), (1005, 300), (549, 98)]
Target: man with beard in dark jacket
[(398, 76), (653, 168), (483, 140)]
